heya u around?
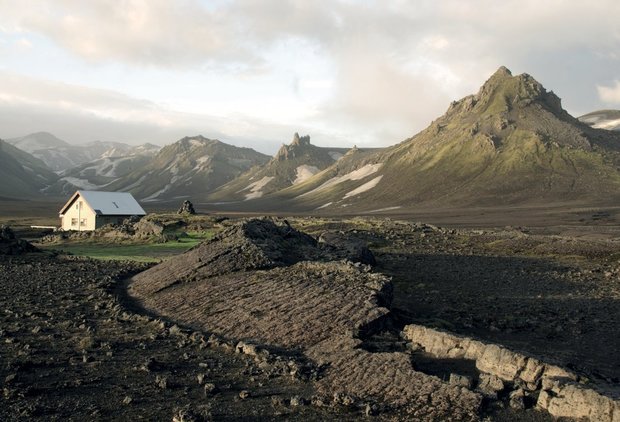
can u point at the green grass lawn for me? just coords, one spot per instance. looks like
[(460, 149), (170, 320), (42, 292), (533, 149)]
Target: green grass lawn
[(142, 252)]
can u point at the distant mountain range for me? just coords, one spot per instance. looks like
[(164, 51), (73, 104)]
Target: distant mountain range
[(60, 156), (509, 144), (189, 168)]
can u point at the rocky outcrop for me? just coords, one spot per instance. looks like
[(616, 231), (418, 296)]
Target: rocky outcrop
[(187, 208), (560, 392), (266, 284), (563, 397), (11, 245), (254, 244)]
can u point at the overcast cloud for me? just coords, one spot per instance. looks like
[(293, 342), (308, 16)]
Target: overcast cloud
[(346, 72)]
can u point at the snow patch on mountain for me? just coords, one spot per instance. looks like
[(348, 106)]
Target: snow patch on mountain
[(154, 196), (304, 172), (80, 183), (256, 188), (358, 174), (365, 187), (607, 124), (324, 206)]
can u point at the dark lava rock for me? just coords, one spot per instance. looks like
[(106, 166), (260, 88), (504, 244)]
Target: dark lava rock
[(348, 247), (187, 208), (11, 245), (253, 244)]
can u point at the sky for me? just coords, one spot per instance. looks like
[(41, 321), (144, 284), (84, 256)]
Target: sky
[(254, 72)]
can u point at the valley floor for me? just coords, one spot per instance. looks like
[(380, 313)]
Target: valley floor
[(70, 348)]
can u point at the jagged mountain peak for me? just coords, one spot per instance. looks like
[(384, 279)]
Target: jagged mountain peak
[(300, 140), (297, 146), (291, 165), (191, 167), (502, 71), (504, 92)]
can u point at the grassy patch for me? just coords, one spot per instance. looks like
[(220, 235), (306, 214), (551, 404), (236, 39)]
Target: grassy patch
[(142, 252)]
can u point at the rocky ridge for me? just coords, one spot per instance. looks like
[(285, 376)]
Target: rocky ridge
[(191, 167), (288, 303), (291, 165), (510, 143)]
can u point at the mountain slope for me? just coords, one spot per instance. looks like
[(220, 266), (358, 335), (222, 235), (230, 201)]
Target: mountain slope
[(603, 119), (511, 143), (22, 175), (97, 174), (191, 167), (292, 164)]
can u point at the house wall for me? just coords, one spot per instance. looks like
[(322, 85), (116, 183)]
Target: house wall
[(79, 219)]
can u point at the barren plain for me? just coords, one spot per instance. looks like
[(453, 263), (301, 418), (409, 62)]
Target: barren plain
[(318, 318)]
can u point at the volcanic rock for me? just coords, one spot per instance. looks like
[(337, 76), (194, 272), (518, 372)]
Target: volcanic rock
[(262, 282), (187, 208), (349, 247), (11, 245)]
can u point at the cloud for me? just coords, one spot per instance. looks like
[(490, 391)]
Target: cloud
[(394, 64), (609, 94), (81, 114), (145, 32)]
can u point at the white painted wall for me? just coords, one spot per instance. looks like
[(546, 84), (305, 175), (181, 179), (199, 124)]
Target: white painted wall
[(79, 218)]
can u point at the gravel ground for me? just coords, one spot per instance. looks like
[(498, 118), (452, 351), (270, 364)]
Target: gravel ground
[(74, 346), (69, 350)]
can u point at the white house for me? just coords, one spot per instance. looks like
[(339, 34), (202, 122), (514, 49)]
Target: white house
[(89, 210)]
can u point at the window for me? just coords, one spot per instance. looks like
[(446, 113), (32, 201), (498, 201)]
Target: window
[(74, 222), (82, 222)]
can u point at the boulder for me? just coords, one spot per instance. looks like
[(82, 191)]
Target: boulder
[(187, 208), (11, 245)]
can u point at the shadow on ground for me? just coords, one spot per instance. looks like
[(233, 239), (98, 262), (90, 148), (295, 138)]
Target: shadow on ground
[(528, 304)]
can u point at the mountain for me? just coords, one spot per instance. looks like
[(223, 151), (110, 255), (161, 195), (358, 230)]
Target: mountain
[(603, 119), (97, 174), (59, 155), (511, 143), (22, 175), (38, 141), (292, 164), (190, 168)]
